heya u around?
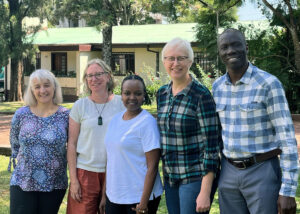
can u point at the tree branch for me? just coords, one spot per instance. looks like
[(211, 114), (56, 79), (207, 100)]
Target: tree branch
[(278, 56), (291, 12), (279, 15), (234, 4)]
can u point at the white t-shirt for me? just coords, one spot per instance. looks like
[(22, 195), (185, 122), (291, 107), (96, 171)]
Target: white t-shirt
[(126, 142), (90, 145)]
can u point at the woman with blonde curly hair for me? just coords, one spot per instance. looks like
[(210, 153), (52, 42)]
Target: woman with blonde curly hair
[(89, 119), (38, 139)]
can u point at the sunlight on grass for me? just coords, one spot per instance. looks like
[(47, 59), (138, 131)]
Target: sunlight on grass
[(4, 192), (11, 107)]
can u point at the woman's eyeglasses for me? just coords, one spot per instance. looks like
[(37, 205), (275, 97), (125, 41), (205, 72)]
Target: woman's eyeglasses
[(96, 75), (172, 58)]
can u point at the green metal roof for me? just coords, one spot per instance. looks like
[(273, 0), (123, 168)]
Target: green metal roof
[(130, 34), (124, 34)]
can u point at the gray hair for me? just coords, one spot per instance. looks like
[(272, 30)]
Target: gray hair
[(106, 68), (181, 43), (42, 74)]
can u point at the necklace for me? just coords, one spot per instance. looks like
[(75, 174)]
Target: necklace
[(100, 121)]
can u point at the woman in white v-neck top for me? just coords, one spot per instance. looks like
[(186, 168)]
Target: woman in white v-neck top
[(133, 184)]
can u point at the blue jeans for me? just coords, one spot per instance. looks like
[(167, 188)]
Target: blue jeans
[(181, 199)]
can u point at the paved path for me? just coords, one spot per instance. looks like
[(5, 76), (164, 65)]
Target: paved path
[(6, 119), (4, 129)]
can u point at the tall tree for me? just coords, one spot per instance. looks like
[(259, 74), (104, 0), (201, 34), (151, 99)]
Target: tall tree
[(3, 35), (287, 11), (213, 15), (104, 14), (14, 11)]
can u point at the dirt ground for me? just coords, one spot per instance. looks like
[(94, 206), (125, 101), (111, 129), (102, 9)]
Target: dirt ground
[(6, 119)]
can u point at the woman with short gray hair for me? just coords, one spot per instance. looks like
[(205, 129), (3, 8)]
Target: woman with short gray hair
[(38, 139), (189, 133)]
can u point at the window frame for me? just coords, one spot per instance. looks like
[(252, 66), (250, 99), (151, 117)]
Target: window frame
[(129, 58), (60, 71)]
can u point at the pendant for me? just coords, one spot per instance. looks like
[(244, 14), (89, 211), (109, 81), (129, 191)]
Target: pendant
[(100, 121)]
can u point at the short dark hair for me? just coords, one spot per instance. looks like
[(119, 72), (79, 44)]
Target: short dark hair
[(232, 30), (136, 77)]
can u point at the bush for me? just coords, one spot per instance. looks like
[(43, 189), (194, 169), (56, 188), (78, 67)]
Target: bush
[(153, 83), (204, 78)]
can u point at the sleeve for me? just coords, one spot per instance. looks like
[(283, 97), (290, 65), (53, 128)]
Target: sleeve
[(75, 111), (280, 117), (14, 139), (210, 131), (150, 134)]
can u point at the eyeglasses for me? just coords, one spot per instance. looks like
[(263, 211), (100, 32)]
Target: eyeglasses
[(96, 75), (172, 58)]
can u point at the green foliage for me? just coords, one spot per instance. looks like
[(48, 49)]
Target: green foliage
[(117, 89), (3, 34), (212, 16), (271, 50), (203, 77), (117, 12), (153, 83), (15, 45)]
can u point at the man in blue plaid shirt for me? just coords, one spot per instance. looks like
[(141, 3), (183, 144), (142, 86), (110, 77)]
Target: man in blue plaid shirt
[(256, 128)]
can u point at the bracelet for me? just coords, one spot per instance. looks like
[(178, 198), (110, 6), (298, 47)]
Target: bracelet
[(142, 210)]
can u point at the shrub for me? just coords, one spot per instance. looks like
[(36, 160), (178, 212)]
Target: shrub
[(153, 83), (204, 78)]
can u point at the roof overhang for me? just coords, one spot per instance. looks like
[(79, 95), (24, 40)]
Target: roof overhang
[(70, 47), (98, 47)]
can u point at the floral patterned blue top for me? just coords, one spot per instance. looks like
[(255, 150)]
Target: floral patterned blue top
[(39, 145)]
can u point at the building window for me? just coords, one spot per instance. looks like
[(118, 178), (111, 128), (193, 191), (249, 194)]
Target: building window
[(37, 60), (123, 63), (204, 62), (59, 64)]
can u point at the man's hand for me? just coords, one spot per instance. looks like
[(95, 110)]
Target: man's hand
[(286, 205)]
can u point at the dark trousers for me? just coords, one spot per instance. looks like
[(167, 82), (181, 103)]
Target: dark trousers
[(251, 190), (112, 208), (23, 202)]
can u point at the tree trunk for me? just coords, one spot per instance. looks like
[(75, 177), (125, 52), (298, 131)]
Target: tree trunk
[(16, 50), (296, 48), (107, 36), (13, 80), (20, 81), (107, 45)]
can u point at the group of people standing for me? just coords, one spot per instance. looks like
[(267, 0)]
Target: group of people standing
[(231, 140)]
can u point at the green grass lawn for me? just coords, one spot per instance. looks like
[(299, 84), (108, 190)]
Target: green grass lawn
[(4, 192), (11, 107)]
